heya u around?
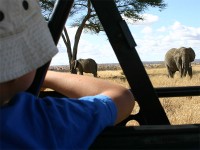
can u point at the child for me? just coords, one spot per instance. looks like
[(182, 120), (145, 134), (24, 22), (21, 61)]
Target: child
[(30, 122)]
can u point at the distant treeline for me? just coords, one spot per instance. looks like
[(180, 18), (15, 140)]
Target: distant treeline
[(116, 66), (162, 62)]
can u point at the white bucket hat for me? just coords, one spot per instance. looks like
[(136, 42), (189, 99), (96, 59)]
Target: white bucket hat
[(25, 40)]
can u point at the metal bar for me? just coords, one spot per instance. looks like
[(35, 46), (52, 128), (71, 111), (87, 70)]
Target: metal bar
[(124, 47), (161, 92), (178, 91), (59, 17), (56, 25), (162, 137)]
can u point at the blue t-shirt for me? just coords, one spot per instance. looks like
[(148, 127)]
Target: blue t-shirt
[(28, 122)]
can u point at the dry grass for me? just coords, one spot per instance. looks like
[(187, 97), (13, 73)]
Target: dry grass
[(180, 110)]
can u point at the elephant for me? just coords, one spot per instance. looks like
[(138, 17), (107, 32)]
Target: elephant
[(84, 65), (179, 59)]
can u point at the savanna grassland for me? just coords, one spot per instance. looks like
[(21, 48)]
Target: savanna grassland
[(180, 110)]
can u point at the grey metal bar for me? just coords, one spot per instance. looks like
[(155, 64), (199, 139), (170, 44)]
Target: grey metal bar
[(178, 91)]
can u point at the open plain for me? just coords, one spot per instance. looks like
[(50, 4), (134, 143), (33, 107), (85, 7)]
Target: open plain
[(180, 110)]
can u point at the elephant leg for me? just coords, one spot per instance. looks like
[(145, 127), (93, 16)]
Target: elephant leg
[(73, 71), (185, 70), (95, 74), (80, 70), (190, 71), (185, 73), (170, 73)]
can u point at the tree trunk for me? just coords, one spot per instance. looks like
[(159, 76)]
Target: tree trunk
[(67, 42), (79, 31)]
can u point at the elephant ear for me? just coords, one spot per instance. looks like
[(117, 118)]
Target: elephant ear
[(191, 54), (75, 64)]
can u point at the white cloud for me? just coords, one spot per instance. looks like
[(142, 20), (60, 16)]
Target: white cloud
[(147, 30), (152, 43), (176, 25), (161, 29), (155, 45), (184, 32), (148, 19)]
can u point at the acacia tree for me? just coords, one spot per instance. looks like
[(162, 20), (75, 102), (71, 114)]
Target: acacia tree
[(85, 18)]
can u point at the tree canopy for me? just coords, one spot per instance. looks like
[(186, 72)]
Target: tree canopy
[(81, 8)]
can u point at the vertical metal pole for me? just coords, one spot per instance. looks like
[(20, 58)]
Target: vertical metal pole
[(56, 25)]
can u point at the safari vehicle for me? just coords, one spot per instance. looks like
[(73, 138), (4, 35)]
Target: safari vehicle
[(155, 130)]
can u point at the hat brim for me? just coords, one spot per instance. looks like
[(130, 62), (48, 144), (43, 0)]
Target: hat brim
[(27, 50)]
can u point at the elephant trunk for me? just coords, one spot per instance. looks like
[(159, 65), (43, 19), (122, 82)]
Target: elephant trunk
[(73, 67), (75, 64), (185, 66)]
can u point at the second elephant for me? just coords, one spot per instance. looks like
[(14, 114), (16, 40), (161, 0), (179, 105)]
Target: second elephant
[(84, 65), (179, 59)]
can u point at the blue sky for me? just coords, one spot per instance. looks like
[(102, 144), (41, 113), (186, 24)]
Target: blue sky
[(177, 25)]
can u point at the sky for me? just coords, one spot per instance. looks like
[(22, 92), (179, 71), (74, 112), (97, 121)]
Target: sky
[(176, 26)]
